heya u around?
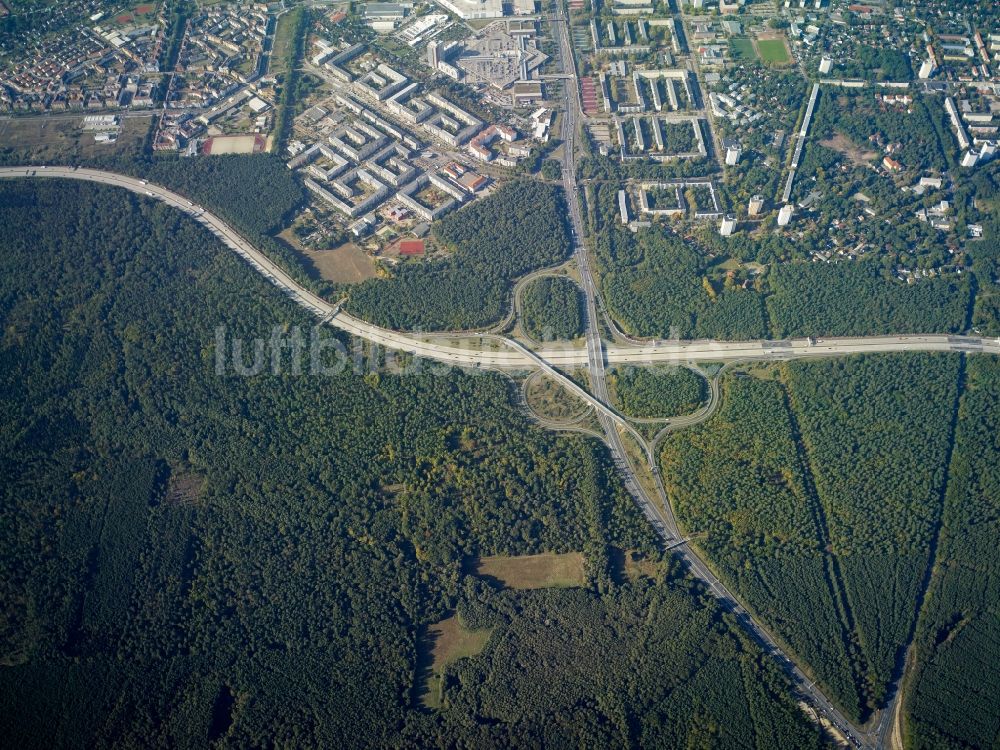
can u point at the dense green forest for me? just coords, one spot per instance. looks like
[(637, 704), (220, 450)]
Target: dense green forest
[(985, 186), (656, 286), (233, 185), (951, 700), (659, 391), (855, 299), (552, 309), (740, 483), (516, 230), (878, 64), (747, 247), (645, 667), (230, 186), (825, 488), (191, 555), (878, 432), (986, 315)]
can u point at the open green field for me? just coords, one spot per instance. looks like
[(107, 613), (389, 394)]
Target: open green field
[(448, 641), (533, 571), (346, 264), (773, 51), (741, 48), (284, 38), (637, 566)]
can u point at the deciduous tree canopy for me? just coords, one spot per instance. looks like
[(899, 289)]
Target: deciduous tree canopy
[(552, 308), (516, 230)]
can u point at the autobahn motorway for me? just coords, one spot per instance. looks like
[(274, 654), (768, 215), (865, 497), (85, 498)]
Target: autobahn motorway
[(497, 352)]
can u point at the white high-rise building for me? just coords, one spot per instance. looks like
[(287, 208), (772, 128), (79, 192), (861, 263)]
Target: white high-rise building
[(785, 215), (969, 159), (926, 69), (825, 65), (623, 207), (733, 154), (433, 54), (728, 225)]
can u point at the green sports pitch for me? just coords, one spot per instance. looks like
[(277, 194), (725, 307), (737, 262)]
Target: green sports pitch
[(741, 48), (773, 51)]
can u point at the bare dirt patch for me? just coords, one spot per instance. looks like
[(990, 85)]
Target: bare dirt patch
[(184, 488), (61, 139), (547, 570), (234, 144), (347, 264), (844, 145)]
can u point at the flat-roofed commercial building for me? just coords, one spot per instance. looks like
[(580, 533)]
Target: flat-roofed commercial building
[(473, 8)]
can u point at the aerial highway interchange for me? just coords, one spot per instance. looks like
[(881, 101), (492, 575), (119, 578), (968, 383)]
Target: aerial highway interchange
[(492, 351), (634, 444)]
